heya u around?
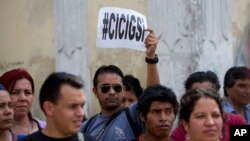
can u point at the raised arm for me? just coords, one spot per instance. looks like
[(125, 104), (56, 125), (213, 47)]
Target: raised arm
[(151, 58)]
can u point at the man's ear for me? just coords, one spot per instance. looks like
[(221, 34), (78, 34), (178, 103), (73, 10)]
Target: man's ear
[(124, 89), (94, 89), (48, 108), (228, 90), (185, 125), (143, 119)]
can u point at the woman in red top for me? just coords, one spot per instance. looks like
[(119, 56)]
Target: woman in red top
[(208, 80)]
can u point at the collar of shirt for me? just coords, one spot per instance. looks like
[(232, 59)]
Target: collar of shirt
[(227, 106)]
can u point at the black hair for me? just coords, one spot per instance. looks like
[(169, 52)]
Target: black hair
[(202, 76), (133, 84), (50, 90), (107, 69), (190, 98), (156, 93), (233, 74)]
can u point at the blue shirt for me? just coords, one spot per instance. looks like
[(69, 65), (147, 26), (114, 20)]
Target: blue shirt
[(229, 108), (119, 129)]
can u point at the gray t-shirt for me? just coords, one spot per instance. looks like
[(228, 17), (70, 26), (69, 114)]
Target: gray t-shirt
[(119, 128)]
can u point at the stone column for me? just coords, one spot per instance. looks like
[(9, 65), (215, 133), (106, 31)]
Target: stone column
[(71, 42)]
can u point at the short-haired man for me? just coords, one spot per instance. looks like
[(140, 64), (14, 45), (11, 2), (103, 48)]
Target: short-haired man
[(237, 92), (157, 107), (208, 79), (132, 92), (114, 123), (202, 79), (62, 100)]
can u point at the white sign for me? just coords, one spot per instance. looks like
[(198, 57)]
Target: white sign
[(121, 28)]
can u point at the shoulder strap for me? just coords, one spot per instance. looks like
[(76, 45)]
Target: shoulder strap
[(131, 122), (38, 125), (84, 130), (107, 124), (12, 135)]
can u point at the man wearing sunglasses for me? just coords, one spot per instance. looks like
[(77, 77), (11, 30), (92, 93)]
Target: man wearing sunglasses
[(113, 122)]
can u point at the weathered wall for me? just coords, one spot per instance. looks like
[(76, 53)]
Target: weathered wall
[(27, 39), (195, 35), (241, 32)]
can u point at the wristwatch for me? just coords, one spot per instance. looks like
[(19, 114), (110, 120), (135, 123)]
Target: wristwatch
[(152, 60)]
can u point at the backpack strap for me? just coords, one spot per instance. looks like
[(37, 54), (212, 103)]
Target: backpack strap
[(38, 124), (132, 124), (98, 136), (84, 130)]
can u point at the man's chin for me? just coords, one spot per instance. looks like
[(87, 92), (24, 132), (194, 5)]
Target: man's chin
[(75, 130), (113, 107)]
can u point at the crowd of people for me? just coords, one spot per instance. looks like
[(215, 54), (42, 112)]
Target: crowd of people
[(127, 112)]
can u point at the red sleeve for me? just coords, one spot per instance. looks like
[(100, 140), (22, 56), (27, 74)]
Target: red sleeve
[(235, 119), (178, 134)]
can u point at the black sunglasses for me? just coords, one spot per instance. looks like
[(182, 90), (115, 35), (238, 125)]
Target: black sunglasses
[(106, 88)]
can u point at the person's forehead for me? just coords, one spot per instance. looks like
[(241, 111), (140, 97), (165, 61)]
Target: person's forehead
[(3, 92), (158, 104), (246, 80), (109, 77), (22, 82), (129, 94), (204, 84), (202, 103), (67, 90), (4, 96)]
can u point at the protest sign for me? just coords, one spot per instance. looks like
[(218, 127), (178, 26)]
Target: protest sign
[(121, 28)]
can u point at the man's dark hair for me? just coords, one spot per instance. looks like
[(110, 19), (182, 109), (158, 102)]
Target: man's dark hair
[(156, 93), (233, 74), (50, 90), (107, 69), (202, 76), (133, 84)]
